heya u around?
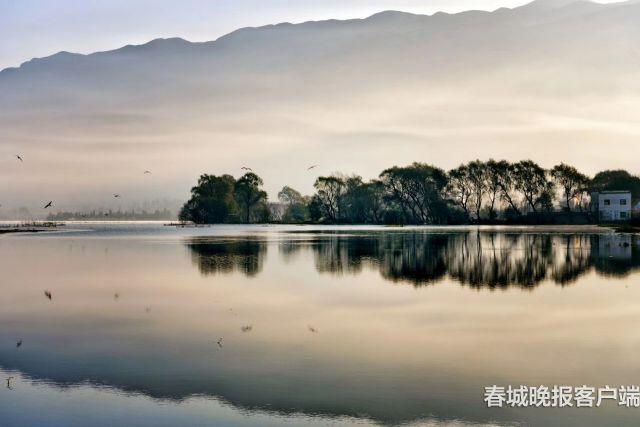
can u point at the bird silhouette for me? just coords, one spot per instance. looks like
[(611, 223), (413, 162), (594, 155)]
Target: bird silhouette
[(147, 172), (116, 296), (19, 157), (313, 330), (19, 343), (48, 295), (247, 328), (219, 342), (312, 167), (116, 195), (9, 383), (48, 205), (244, 168)]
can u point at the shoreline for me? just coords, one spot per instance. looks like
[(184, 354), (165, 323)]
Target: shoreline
[(8, 229), (18, 230)]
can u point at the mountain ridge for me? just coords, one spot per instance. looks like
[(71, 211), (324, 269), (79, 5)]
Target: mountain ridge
[(536, 82), (377, 18)]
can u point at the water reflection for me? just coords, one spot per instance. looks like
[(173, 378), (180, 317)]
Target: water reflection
[(382, 354), (227, 256), (476, 259)]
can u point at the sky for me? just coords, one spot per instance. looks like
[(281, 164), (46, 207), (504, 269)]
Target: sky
[(37, 28), (84, 142)]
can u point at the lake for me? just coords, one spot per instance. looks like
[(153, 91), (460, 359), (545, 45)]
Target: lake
[(150, 325)]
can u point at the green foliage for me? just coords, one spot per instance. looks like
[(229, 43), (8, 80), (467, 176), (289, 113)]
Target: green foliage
[(419, 191), (573, 184), (212, 201), (617, 180), (363, 202), (315, 209), (330, 193), (416, 194), (222, 199), (531, 181), (250, 197), (289, 196), (297, 209), (458, 190), (297, 213)]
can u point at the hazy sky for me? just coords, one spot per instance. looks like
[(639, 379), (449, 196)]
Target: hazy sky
[(279, 107), (36, 28)]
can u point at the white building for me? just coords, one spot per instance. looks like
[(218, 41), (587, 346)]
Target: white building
[(612, 205)]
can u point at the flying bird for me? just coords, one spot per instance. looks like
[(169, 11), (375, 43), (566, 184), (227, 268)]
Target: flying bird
[(9, 383), (219, 342), (116, 195), (19, 343), (247, 328), (147, 172), (48, 205), (313, 330), (48, 295), (19, 157), (312, 167), (244, 168)]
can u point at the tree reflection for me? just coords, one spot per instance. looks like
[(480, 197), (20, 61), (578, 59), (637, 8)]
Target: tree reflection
[(416, 258), (493, 260), (228, 256), (480, 259)]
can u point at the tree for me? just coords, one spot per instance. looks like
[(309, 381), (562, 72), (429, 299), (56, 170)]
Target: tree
[(375, 201), (330, 191), (289, 196), (531, 180), (504, 173), (363, 203), (418, 189), (494, 182), (572, 183), (212, 200), (315, 209), (296, 210), (248, 195), (477, 173), (617, 180), (458, 188)]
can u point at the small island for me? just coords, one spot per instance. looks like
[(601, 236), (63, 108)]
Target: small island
[(477, 193)]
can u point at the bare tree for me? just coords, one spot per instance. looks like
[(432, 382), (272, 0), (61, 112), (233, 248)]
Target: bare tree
[(572, 183), (477, 183), (458, 188), (531, 180)]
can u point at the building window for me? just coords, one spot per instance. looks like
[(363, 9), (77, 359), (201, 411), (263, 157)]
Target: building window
[(623, 215), (623, 202), (607, 202)]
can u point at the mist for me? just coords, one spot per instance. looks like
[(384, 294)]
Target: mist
[(549, 81)]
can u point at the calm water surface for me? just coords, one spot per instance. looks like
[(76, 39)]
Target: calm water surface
[(319, 326)]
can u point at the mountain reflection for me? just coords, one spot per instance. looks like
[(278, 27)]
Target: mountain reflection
[(380, 353), (227, 256), (475, 259)]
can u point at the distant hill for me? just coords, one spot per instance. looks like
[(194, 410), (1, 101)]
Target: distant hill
[(551, 80)]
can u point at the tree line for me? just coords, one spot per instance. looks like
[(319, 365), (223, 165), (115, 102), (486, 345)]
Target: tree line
[(157, 214), (473, 193)]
